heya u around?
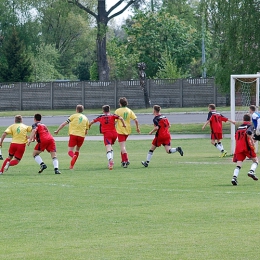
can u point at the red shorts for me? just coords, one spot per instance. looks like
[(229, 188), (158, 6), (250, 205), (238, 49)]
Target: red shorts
[(242, 156), (76, 141), (110, 137), (17, 150), (164, 140), (48, 145), (216, 136), (122, 138)]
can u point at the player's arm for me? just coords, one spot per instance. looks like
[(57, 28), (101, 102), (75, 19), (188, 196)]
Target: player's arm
[(31, 138), (257, 130), (231, 121), (206, 123), (137, 126), (60, 127), (91, 123), (122, 120), (2, 138), (154, 130)]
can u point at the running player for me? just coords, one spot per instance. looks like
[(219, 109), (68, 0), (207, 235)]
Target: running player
[(45, 141), (78, 128), (17, 147), (123, 132), (107, 128), (162, 136), (244, 148), (215, 120), (256, 122)]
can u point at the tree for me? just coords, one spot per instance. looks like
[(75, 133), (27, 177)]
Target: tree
[(17, 65), (102, 18)]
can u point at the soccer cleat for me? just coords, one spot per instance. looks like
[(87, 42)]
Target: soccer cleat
[(127, 163), (178, 149), (145, 164), (223, 154), (1, 157), (71, 167), (43, 167), (110, 164), (6, 167), (234, 181), (1, 173), (57, 171), (251, 174)]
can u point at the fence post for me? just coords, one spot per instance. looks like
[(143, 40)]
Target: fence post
[(20, 95), (83, 93), (51, 95), (215, 93), (181, 93), (115, 95)]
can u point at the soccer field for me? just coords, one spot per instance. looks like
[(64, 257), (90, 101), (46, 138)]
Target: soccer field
[(177, 208)]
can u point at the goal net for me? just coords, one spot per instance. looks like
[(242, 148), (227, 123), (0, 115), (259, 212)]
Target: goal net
[(244, 91)]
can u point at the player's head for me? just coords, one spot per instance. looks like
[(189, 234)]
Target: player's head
[(212, 106), (156, 109), (252, 109), (37, 117), (247, 118), (18, 119), (79, 108), (123, 101), (106, 108)]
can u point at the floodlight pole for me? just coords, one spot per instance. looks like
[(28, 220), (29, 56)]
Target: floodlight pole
[(232, 108)]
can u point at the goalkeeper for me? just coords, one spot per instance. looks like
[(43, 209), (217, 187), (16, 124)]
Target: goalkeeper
[(256, 122)]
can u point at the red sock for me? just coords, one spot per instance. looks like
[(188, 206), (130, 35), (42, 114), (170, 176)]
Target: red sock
[(74, 159), (125, 157), (122, 157), (70, 153), (5, 161), (14, 162)]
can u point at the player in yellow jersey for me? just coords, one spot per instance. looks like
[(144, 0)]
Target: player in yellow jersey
[(123, 132), (78, 128), (19, 131)]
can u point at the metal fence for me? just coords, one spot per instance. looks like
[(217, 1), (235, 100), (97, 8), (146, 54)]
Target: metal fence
[(94, 94)]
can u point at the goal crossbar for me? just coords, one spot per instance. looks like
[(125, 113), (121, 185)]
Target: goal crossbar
[(233, 101)]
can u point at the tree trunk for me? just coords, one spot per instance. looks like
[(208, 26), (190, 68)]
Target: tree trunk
[(102, 20)]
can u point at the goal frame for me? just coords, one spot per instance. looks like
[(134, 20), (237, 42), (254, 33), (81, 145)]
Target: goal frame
[(233, 101)]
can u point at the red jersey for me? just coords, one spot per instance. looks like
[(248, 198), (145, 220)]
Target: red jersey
[(163, 123), (42, 133), (244, 143), (107, 122), (216, 120)]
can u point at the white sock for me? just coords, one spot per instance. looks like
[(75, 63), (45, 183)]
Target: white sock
[(219, 147), (109, 155), (236, 172), (55, 162), (253, 166), (173, 150), (149, 156), (112, 154), (38, 159)]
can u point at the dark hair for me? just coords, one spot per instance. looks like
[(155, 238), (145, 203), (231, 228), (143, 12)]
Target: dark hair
[(253, 108), (18, 119), (247, 118), (157, 108), (79, 108), (212, 106), (38, 117), (123, 101), (106, 108)]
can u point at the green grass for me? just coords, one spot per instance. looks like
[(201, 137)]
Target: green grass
[(177, 208)]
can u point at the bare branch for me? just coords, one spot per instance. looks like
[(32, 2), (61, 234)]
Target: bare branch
[(86, 9), (121, 11)]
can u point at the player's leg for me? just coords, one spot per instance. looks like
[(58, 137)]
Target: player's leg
[(238, 159), (109, 140), (124, 154), (51, 148), (149, 154), (12, 150), (254, 165), (221, 147), (71, 145), (169, 149)]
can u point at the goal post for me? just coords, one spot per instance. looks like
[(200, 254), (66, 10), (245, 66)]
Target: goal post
[(249, 95)]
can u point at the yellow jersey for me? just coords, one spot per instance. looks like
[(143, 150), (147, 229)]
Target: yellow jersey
[(127, 114), (19, 132), (78, 124)]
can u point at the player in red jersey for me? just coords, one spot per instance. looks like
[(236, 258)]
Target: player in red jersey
[(45, 141), (107, 128), (162, 136), (215, 120), (19, 131), (245, 148)]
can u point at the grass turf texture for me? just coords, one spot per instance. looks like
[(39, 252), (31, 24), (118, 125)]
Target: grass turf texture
[(177, 208)]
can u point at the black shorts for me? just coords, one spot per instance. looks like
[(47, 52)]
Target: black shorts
[(256, 137)]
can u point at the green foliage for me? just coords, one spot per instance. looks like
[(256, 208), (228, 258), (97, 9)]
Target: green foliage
[(94, 71), (16, 65), (151, 34)]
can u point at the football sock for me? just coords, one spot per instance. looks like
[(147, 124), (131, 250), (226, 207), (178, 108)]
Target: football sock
[(14, 162), (74, 159), (38, 159), (124, 157), (253, 166), (236, 171), (5, 161), (109, 155), (55, 162), (149, 156), (71, 153), (173, 150), (219, 147), (112, 154)]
